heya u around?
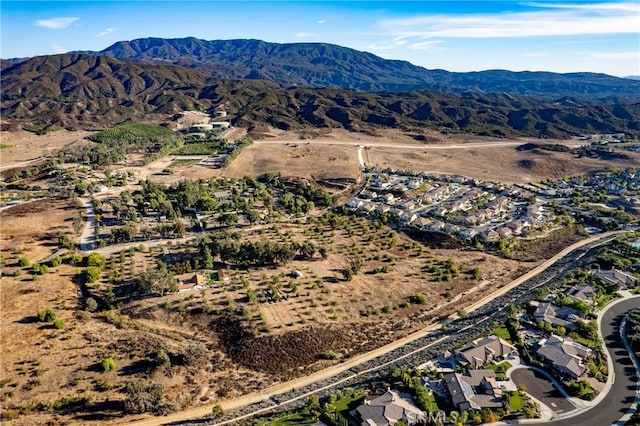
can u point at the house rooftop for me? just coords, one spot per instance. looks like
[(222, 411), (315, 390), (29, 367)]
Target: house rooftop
[(388, 409)]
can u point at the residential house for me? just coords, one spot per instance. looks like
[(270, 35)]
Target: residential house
[(474, 391), (484, 351), (489, 235), (504, 232), (407, 218), (615, 276), (388, 409), (564, 355), (582, 292), (556, 315), (191, 281), (354, 204), (421, 222), (467, 233)]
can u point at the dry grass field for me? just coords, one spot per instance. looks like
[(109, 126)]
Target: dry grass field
[(30, 229), (24, 146), (310, 154), (297, 158), (504, 164)]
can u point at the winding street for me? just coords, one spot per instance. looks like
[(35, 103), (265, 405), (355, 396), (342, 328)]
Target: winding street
[(617, 402)]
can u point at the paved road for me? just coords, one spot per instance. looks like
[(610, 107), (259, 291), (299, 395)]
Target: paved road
[(88, 237), (541, 388), (622, 394)]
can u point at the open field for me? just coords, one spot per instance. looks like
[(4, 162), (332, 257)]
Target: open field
[(314, 161), (26, 146), (30, 229), (486, 158), (504, 164)]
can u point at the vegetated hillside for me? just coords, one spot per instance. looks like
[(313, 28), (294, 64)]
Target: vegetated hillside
[(74, 90), (327, 65), (91, 92)]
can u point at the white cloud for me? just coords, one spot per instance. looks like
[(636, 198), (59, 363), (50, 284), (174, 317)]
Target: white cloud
[(304, 35), (423, 45), (550, 20), (106, 31), (629, 7), (322, 21), (617, 55), (58, 48), (376, 47), (55, 23)]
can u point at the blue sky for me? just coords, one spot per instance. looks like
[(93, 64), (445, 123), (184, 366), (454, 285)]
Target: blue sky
[(543, 35)]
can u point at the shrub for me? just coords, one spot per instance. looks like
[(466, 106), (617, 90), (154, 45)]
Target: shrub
[(58, 324), (23, 261), (330, 355), (91, 305), (217, 411), (76, 259), (47, 315), (56, 261), (142, 397), (108, 365), (420, 298)]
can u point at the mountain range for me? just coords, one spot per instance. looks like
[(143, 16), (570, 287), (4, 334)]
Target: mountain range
[(278, 85), (328, 65)]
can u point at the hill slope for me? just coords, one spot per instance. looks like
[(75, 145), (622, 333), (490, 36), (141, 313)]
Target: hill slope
[(327, 65), (91, 92)]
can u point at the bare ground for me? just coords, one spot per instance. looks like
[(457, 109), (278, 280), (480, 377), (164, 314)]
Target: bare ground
[(26, 146)]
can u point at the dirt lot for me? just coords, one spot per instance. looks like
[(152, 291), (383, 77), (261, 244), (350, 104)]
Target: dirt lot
[(478, 157), (30, 229), (504, 164), (297, 158), (27, 146)]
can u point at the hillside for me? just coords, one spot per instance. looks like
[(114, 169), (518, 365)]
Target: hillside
[(77, 90), (83, 91), (327, 65)]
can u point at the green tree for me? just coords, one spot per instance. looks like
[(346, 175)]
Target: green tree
[(156, 280), (207, 258), (97, 260), (92, 274)]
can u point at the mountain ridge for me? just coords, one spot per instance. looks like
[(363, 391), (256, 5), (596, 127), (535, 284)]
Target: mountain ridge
[(330, 65), (94, 92)]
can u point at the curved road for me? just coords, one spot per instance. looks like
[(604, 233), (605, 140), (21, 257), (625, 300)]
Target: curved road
[(622, 393)]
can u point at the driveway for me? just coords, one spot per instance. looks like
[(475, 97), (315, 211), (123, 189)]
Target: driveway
[(540, 387)]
